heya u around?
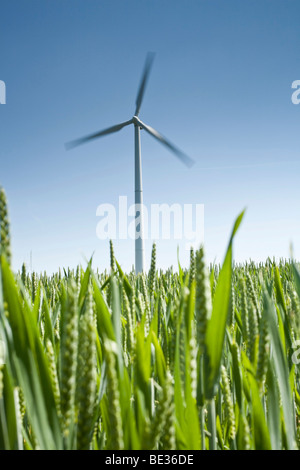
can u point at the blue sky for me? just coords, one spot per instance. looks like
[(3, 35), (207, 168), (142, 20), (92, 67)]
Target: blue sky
[(220, 89)]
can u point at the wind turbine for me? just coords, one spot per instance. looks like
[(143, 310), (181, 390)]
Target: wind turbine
[(138, 125)]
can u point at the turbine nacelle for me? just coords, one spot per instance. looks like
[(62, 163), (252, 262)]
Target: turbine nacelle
[(136, 121)]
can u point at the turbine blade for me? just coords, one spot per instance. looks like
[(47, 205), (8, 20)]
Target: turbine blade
[(109, 130), (182, 156), (145, 76)]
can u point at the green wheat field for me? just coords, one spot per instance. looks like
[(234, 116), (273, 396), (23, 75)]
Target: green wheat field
[(204, 358)]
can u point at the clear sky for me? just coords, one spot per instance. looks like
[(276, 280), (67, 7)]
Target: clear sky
[(220, 89)]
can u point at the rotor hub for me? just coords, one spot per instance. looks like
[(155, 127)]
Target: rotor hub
[(136, 120)]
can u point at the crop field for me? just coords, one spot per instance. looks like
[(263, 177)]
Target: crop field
[(204, 358)]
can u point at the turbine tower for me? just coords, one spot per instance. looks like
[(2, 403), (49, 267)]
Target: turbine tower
[(138, 126)]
